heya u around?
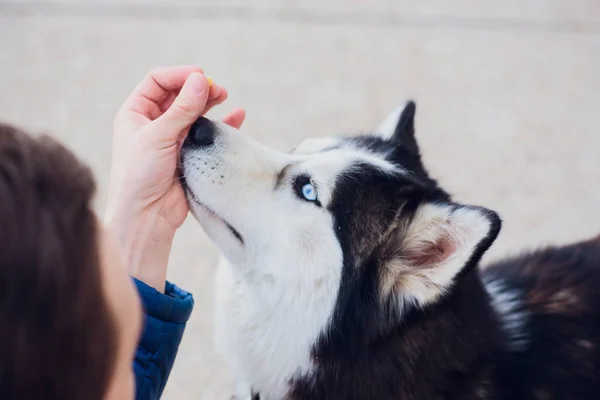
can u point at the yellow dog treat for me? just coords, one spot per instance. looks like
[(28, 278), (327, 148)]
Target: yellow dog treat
[(209, 79)]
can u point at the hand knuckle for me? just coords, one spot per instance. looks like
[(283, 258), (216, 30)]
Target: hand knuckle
[(182, 108)]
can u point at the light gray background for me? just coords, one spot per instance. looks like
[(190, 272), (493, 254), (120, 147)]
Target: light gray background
[(507, 94)]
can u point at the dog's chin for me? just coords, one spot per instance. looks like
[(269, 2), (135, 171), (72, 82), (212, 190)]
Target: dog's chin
[(213, 223)]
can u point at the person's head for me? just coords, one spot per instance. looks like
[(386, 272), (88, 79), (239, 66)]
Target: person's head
[(69, 315)]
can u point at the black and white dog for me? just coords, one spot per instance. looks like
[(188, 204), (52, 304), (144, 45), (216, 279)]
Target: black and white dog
[(348, 273)]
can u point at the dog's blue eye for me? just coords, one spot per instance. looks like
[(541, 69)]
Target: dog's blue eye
[(306, 190), (309, 191)]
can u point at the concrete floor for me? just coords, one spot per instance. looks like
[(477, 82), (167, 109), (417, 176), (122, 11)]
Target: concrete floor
[(508, 94)]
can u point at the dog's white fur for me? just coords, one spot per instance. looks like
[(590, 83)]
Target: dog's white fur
[(276, 292)]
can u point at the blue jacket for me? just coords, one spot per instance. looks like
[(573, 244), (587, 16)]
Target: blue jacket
[(165, 318)]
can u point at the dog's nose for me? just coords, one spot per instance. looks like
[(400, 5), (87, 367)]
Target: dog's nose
[(202, 133)]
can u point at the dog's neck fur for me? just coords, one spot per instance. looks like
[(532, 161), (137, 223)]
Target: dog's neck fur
[(444, 349), (267, 331)]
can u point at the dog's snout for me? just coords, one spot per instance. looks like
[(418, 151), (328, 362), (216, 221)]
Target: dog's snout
[(202, 133)]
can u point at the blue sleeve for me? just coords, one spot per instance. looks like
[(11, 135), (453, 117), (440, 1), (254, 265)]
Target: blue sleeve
[(165, 316)]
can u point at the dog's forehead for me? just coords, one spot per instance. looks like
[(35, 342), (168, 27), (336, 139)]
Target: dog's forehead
[(317, 145), (340, 160), (373, 144)]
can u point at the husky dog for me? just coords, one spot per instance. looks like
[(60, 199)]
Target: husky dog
[(348, 273)]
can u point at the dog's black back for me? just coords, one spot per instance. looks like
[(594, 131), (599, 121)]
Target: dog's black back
[(561, 297)]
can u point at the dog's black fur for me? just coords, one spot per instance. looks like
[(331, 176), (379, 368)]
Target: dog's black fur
[(457, 348)]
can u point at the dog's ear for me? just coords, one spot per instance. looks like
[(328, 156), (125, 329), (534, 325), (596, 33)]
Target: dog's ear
[(399, 127), (421, 259)]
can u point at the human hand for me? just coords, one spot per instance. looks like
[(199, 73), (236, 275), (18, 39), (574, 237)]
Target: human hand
[(146, 203)]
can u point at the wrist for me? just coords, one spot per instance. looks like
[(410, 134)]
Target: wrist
[(145, 241)]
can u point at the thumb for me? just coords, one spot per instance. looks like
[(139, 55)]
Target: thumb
[(187, 107)]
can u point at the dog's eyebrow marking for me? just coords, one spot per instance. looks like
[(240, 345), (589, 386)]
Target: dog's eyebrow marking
[(281, 174)]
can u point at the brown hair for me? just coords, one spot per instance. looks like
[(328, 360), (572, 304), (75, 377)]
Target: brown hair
[(57, 335)]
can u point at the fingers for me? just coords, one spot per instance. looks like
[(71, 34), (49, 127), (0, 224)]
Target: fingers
[(160, 81), (186, 108), (167, 102), (174, 98), (221, 97), (215, 91), (157, 85), (235, 118)]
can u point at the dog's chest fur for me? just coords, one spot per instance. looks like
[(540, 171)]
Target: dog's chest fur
[(267, 339)]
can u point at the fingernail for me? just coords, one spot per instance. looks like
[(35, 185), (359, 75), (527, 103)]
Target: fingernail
[(195, 81), (215, 91)]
